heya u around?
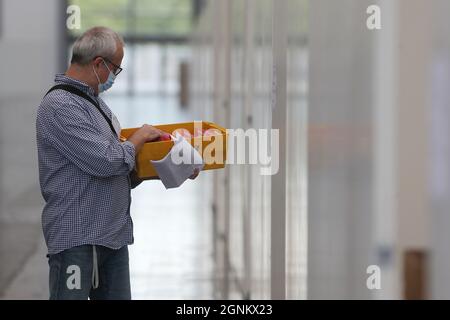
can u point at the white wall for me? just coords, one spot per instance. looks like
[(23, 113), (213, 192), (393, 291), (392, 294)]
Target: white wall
[(30, 50), (439, 165)]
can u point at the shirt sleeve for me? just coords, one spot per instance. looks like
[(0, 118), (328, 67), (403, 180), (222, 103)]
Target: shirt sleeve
[(73, 134), (135, 180)]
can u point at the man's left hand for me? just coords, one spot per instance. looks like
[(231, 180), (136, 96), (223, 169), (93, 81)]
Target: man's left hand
[(195, 174)]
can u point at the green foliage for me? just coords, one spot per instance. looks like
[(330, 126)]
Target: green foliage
[(149, 17)]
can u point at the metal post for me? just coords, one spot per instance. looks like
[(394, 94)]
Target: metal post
[(278, 181), (130, 31), (226, 6), (247, 114), (63, 36)]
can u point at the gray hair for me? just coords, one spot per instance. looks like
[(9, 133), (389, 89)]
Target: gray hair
[(95, 42)]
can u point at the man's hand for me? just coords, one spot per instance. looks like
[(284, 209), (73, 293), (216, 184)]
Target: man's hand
[(146, 133), (195, 174)]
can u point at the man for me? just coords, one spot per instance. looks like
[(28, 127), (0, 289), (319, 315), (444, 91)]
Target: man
[(86, 174)]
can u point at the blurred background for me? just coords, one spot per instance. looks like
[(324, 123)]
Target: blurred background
[(363, 117)]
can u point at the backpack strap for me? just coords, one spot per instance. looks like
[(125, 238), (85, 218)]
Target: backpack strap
[(80, 93)]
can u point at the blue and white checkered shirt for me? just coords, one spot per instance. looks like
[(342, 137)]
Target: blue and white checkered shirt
[(83, 171)]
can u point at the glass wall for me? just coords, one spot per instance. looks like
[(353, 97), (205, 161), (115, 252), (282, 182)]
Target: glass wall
[(235, 83)]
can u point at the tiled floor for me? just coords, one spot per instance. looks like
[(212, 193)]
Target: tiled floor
[(172, 254)]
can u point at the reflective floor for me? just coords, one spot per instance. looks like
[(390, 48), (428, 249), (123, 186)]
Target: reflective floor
[(171, 257), (172, 254)]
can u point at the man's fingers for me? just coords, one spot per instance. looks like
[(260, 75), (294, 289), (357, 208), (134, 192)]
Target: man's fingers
[(195, 174)]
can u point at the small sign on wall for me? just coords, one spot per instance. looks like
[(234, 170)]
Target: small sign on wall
[(184, 84)]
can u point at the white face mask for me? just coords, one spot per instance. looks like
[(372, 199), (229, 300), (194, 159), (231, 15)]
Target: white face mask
[(109, 82)]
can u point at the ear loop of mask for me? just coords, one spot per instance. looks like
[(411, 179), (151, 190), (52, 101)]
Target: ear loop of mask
[(98, 79)]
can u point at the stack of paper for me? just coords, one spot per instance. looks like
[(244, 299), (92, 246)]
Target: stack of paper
[(179, 164)]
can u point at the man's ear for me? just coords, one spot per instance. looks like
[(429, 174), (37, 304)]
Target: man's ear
[(97, 61)]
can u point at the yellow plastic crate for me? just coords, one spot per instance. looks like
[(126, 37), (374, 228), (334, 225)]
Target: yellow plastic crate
[(159, 149)]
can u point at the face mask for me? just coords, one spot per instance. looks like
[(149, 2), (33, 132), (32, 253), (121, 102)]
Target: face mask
[(109, 82)]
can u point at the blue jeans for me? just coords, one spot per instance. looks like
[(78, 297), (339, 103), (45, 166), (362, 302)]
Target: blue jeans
[(74, 276)]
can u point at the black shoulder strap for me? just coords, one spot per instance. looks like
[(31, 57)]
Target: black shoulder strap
[(80, 93)]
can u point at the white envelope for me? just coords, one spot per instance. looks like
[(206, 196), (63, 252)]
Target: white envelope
[(179, 164)]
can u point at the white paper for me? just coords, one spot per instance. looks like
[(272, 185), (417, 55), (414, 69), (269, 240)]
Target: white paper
[(170, 171)]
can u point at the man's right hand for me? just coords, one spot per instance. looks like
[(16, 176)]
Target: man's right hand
[(146, 133), (149, 132)]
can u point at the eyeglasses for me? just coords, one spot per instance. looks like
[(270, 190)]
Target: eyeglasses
[(118, 68)]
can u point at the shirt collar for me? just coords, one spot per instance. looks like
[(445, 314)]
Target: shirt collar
[(61, 78)]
